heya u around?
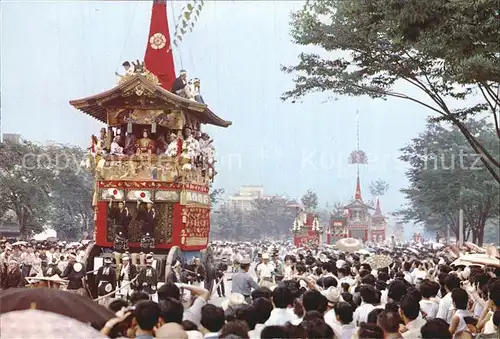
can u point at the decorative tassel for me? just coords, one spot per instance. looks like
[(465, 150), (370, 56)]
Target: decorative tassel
[(129, 128), (153, 128)]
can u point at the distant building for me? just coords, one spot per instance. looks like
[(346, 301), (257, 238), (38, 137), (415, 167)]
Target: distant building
[(244, 198), (12, 138), (9, 228)]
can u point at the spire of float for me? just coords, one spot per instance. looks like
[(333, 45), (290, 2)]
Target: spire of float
[(159, 58), (358, 190), (378, 211)]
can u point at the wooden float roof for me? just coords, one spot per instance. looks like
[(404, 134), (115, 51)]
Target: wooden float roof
[(95, 105)]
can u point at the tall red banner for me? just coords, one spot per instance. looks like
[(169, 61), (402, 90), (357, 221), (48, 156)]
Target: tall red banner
[(159, 58)]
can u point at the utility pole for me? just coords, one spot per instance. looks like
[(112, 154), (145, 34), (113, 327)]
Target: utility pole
[(448, 234), (461, 227)]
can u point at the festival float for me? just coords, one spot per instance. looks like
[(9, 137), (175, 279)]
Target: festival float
[(306, 230), (153, 163)]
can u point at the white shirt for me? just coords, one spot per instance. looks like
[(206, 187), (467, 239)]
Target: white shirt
[(331, 319), (408, 277), (255, 333), (430, 308), (445, 310), (344, 331), (265, 270), (280, 316), (414, 329), (361, 313)]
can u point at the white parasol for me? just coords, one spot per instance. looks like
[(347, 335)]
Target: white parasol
[(20, 243), (478, 259), (350, 245), (378, 261)]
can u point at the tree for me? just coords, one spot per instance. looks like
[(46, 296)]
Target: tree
[(25, 180), (215, 196), (310, 200), (447, 50), (229, 223), (271, 217), (72, 191), (378, 188), (444, 178)]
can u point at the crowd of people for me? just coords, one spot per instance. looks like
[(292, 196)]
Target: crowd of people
[(281, 292)]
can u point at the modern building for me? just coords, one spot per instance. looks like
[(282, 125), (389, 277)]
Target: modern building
[(244, 198), (11, 138)]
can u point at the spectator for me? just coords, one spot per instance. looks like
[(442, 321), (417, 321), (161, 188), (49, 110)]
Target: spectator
[(282, 313), (409, 311), (212, 320), (445, 310), (261, 311), (428, 305), (345, 328), (234, 329), (389, 323), (435, 329), (171, 311), (146, 315), (370, 331), (369, 298)]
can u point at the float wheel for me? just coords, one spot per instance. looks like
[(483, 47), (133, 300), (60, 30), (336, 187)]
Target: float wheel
[(91, 252), (207, 259)]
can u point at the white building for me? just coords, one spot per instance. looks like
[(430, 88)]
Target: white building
[(244, 198)]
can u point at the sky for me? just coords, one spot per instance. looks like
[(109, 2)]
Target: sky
[(56, 51)]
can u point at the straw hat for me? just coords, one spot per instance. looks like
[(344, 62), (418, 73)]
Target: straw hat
[(233, 300)]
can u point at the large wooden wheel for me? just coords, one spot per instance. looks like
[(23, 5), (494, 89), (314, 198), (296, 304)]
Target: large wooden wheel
[(91, 252), (174, 254), (207, 259)]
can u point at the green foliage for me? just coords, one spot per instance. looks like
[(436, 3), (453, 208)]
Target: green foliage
[(72, 191), (215, 196), (25, 179), (378, 188), (447, 50), (310, 200), (445, 175), (187, 19), (44, 186)]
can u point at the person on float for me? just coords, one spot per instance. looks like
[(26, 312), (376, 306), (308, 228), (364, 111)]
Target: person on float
[(106, 281), (148, 217), (128, 69), (130, 144), (145, 145), (115, 148), (148, 277), (196, 91), (121, 218), (75, 273), (180, 84), (127, 273)]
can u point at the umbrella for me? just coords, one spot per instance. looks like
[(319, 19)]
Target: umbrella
[(480, 259), (474, 247), (20, 243), (35, 324), (378, 261), (56, 301), (350, 245)]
